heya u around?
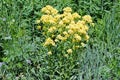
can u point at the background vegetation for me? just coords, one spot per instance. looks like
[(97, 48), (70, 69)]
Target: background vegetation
[(23, 56)]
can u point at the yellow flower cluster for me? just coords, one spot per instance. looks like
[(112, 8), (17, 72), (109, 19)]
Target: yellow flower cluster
[(64, 27), (49, 10), (49, 41)]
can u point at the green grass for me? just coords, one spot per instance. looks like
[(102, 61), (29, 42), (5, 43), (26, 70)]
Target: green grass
[(21, 42)]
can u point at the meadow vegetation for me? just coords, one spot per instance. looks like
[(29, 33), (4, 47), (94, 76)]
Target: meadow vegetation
[(60, 40)]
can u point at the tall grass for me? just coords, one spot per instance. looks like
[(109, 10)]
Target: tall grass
[(100, 60)]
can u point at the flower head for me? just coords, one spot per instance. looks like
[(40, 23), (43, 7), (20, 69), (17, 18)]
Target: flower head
[(69, 51), (87, 18), (67, 9), (49, 53), (49, 41)]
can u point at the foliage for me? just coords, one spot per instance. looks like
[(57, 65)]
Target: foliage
[(23, 56)]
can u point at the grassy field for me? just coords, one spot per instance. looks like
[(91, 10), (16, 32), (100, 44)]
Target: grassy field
[(23, 56)]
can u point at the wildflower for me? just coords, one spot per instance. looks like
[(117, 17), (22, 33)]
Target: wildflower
[(66, 26), (49, 7), (83, 44), (76, 15), (52, 21), (77, 37), (81, 22), (82, 31), (72, 22), (69, 51), (65, 33), (65, 20), (57, 16), (56, 40), (43, 9), (51, 29), (87, 18), (61, 22), (49, 41), (60, 37), (86, 37), (70, 31), (54, 11), (49, 53), (67, 9), (86, 28), (39, 27), (48, 19)]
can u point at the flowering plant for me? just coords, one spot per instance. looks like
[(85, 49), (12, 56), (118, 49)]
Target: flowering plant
[(68, 29)]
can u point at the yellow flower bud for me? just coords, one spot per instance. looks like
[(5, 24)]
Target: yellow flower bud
[(87, 18), (67, 9), (49, 53), (83, 44), (69, 51), (39, 27)]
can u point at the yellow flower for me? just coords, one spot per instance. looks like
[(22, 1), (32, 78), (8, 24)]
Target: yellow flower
[(69, 16), (53, 35), (49, 7), (51, 29), (69, 51), (49, 53), (70, 31), (72, 23), (65, 20), (54, 11), (48, 19), (82, 31), (86, 37), (45, 18), (43, 9), (66, 26), (65, 33), (81, 22), (61, 22), (52, 21), (49, 10), (57, 17), (87, 18), (77, 37), (76, 15), (83, 44), (67, 9), (86, 28), (74, 27), (56, 40), (60, 37), (49, 41), (39, 27)]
